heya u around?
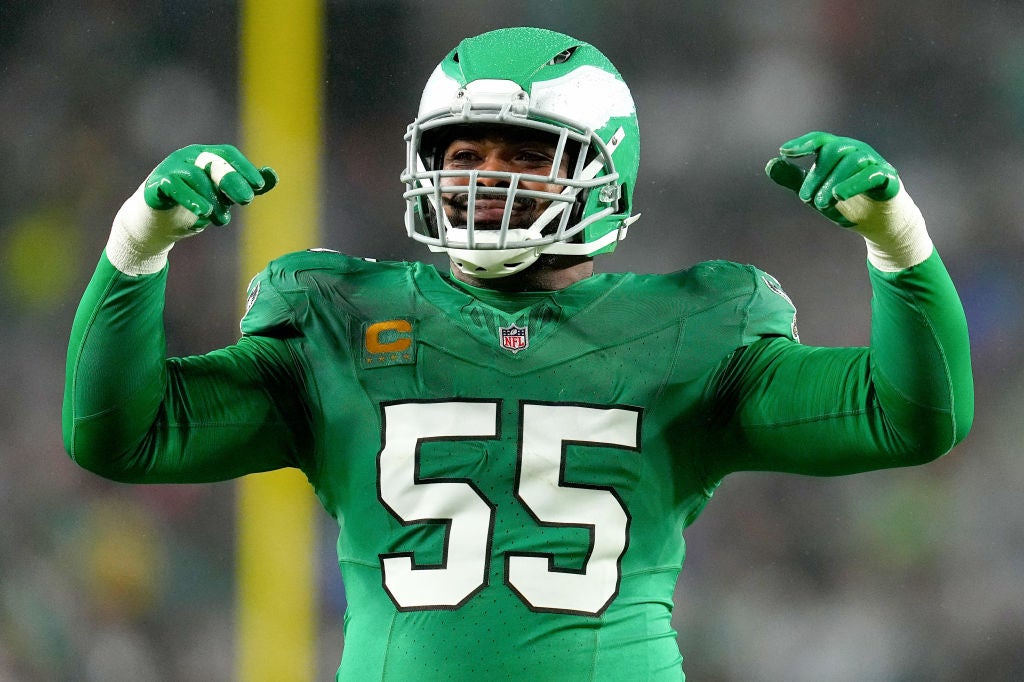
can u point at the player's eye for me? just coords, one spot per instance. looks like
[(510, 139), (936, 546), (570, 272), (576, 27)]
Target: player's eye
[(462, 158), (535, 158)]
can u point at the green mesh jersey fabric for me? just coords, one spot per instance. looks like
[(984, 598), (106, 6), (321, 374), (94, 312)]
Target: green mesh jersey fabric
[(511, 488)]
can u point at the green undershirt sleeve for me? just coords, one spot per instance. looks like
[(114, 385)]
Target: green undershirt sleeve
[(132, 414), (907, 399)]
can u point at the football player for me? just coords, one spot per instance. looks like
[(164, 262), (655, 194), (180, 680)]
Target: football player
[(514, 449)]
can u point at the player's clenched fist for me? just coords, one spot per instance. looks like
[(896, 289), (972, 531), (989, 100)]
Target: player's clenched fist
[(191, 188), (852, 185), (206, 180)]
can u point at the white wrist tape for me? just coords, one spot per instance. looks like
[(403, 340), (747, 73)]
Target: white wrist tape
[(141, 236), (894, 230)]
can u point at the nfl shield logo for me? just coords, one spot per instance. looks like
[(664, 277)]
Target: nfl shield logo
[(513, 338)]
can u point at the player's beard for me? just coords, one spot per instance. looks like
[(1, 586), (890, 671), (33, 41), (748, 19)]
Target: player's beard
[(490, 212)]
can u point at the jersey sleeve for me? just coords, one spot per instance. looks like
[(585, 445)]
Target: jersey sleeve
[(906, 399), (132, 414)]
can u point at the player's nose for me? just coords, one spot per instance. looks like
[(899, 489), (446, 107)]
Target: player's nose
[(493, 163)]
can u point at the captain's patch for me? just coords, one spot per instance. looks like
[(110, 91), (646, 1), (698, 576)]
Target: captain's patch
[(389, 342)]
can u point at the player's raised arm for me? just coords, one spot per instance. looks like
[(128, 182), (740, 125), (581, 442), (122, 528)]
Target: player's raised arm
[(191, 188), (132, 414), (906, 399)]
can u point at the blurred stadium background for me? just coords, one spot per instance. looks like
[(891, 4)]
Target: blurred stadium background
[(901, 575)]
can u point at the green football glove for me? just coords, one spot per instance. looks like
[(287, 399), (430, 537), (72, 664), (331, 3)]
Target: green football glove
[(852, 185), (191, 188)]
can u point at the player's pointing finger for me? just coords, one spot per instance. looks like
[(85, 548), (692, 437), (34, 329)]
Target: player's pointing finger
[(808, 143)]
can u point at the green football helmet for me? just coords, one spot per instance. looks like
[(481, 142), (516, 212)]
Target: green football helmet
[(557, 86)]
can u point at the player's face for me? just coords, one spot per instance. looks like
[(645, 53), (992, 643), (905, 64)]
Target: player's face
[(512, 151)]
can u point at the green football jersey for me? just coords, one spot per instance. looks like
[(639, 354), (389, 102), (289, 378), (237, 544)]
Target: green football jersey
[(512, 481), (511, 487)]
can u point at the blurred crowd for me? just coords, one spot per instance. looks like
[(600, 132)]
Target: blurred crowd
[(900, 575)]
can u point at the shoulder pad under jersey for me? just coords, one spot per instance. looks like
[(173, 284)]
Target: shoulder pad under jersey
[(769, 310), (270, 297)]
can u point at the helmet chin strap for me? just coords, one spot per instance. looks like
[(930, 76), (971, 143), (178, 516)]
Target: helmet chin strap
[(493, 263)]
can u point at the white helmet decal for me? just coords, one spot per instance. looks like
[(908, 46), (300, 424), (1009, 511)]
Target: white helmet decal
[(587, 95)]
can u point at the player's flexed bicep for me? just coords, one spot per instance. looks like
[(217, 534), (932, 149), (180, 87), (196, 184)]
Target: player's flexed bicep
[(906, 399), (191, 188), (130, 413)]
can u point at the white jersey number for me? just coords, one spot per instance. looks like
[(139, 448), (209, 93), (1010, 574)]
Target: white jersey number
[(469, 515)]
